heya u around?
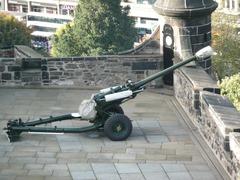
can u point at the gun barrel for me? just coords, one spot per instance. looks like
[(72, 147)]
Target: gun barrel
[(201, 54), (141, 83)]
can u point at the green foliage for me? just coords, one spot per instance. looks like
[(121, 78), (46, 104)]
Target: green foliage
[(226, 43), (13, 32), (99, 27), (230, 87), (64, 44)]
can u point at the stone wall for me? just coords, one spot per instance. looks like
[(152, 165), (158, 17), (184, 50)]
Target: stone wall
[(234, 141), (94, 72), (7, 52), (214, 115), (189, 82)]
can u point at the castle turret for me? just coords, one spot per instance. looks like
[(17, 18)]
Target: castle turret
[(185, 27)]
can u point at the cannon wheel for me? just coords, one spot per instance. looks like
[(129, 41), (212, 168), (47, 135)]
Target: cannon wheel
[(116, 109), (118, 127)]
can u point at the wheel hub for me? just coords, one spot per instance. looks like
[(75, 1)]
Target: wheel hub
[(118, 128)]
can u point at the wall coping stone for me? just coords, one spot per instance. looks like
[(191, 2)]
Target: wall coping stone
[(52, 87), (200, 79), (3, 60), (154, 37), (223, 112), (85, 58), (234, 142)]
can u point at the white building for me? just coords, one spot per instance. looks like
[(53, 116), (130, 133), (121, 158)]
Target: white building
[(64, 7), (229, 6), (45, 16), (146, 18)]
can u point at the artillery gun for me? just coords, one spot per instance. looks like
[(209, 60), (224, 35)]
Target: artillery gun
[(102, 110)]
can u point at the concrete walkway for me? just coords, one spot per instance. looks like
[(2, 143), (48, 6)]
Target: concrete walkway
[(161, 146)]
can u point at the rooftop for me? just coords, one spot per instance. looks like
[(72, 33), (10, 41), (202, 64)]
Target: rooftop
[(162, 146)]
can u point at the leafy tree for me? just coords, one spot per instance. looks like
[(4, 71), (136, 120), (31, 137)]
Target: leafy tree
[(99, 27), (64, 44), (230, 87), (13, 32), (226, 43)]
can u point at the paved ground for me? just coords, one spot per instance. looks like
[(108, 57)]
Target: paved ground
[(160, 147)]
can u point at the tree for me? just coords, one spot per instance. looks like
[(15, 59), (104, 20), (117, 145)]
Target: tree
[(13, 32), (99, 27), (64, 44), (230, 87), (226, 43)]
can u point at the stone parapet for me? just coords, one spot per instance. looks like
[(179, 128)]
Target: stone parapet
[(8, 52), (214, 115), (218, 119), (98, 71), (234, 139), (188, 82)]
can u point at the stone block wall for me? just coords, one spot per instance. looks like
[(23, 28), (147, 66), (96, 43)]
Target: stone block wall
[(10, 71), (94, 72), (234, 139), (219, 119), (214, 115), (188, 82), (8, 52)]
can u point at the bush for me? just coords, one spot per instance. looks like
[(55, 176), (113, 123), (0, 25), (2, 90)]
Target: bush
[(230, 87), (226, 42), (13, 32)]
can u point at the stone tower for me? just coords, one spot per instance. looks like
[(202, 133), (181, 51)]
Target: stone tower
[(185, 27)]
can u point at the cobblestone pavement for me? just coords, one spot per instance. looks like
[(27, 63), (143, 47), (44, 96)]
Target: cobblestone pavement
[(160, 147)]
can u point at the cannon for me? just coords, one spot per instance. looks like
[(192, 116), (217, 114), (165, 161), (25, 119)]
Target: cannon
[(102, 110)]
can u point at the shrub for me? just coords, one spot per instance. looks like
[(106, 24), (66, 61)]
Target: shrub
[(226, 42), (230, 87), (13, 32)]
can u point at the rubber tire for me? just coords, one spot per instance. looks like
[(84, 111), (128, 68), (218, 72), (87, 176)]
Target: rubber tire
[(116, 109), (116, 119)]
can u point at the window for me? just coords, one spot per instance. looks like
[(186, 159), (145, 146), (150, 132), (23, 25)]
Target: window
[(64, 11), (25, 8), (14, 7), (51, 10), (146, 1), (143, 31), (50, 20), (71, 12), (148, 20), (227, 4), (151, 1), (37, 9), (143, 20), (67, 9), (45, 29)]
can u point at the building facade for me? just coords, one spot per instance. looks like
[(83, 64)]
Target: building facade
[(42, 6), (46, 16), (229, 6), (145, 22)]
